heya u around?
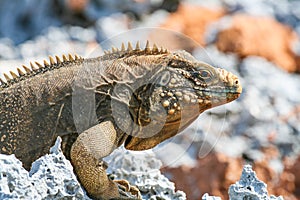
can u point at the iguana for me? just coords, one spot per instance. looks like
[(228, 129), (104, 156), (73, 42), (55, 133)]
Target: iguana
[(131, 96)]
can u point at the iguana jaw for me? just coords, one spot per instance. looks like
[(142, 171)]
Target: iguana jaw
[(178, 121), (175, 123)]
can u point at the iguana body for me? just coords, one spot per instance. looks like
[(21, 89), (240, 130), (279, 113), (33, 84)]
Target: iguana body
[(136, 97)]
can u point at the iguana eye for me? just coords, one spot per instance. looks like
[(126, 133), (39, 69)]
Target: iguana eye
[(205, 74), (164, 78)]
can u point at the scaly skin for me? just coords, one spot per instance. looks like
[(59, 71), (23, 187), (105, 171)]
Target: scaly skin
[(136, 97)]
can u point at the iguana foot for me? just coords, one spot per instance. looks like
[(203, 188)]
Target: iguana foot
[(124, 186)]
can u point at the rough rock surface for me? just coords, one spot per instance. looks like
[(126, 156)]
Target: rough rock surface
[(195, 181), (143, 170), (14, 180), (52, 177), (250, 187), (251, 35)]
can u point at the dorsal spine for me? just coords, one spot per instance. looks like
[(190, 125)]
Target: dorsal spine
[(36, 68), (57, 62)]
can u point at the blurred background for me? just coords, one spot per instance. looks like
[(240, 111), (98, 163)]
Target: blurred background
[(257, 40)]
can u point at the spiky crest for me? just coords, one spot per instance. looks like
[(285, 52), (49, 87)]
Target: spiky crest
[(115, 52), (36, 68)]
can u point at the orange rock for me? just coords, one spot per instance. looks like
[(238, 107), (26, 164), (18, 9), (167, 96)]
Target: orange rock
[(293, 170), (216, 172), (213, 174), (297, 58), (192, 20), (77, 5), (278, 183), (261, 36)]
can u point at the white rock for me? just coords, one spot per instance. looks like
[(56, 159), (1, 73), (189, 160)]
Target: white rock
[(52, 177), (249, 187), (142, 169)]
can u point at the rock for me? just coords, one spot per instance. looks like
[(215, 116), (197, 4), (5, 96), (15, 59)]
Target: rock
[(77, 6), (268, 169), (207, 197), (255, 7), (52, 177), (291, 175), (270, 111), (14, 180), (228, 61), (250, 35), (142, 169), (215, 173), (53, 174), (212, 174), (192, 21), (249, 187), (284, 11)]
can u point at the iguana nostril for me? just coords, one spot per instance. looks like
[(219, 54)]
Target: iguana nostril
[(238, 85)]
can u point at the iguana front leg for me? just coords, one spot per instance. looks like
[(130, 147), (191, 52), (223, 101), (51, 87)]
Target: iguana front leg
[(86, 156)]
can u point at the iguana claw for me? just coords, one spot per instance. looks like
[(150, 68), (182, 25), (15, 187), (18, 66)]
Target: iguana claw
[(127, 190)]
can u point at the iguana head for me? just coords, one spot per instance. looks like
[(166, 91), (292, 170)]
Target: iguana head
[(178, 90)]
